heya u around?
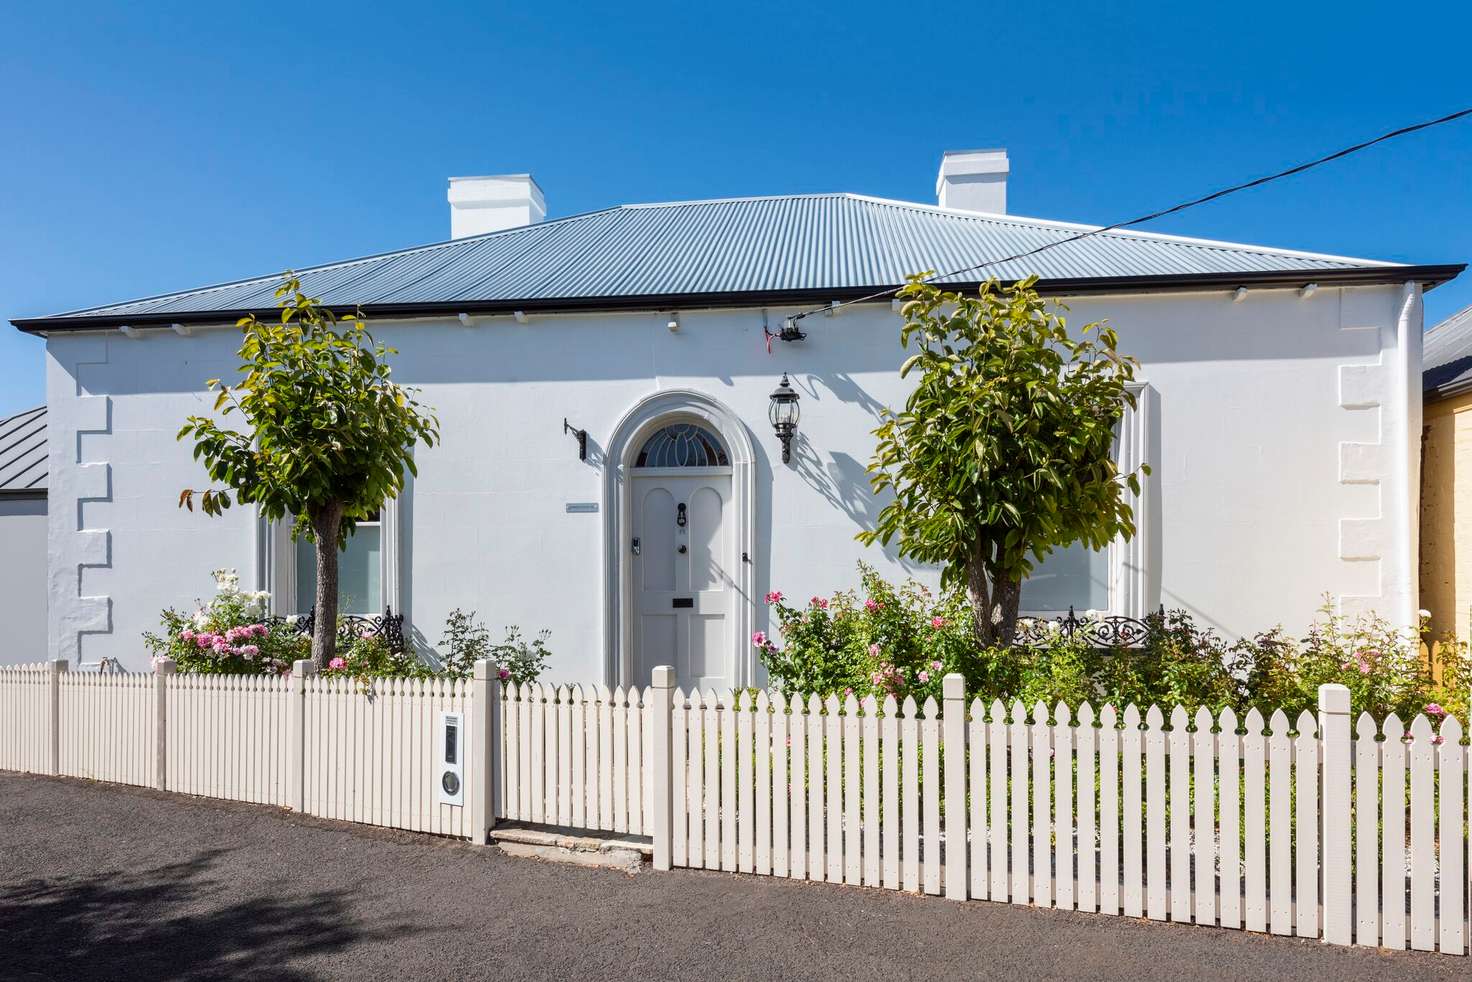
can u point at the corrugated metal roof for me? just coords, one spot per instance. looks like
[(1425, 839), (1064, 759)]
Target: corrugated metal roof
[(23, 452), (1447, 357), (737, 245)]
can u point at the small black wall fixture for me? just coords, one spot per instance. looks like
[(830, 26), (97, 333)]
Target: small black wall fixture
[(580, 435), (784, 412)]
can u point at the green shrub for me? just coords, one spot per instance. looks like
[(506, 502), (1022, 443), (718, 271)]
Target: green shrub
[(903, 639), (519, 660), (467, 641), (368, 656)]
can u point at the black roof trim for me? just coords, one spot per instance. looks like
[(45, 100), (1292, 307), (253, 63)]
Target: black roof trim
[(1429, 275)]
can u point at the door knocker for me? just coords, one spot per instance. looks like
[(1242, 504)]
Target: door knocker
[(680, 519)]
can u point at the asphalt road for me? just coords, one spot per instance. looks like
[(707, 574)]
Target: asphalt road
[(104, 882)]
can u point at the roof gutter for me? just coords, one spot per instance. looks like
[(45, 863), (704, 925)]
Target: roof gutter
[(1427, 276)]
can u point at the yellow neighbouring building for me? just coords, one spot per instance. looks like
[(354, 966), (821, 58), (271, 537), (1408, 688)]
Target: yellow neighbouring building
[(1446, 476)]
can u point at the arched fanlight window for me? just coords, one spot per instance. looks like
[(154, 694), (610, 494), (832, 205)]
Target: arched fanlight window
[(683, 445)]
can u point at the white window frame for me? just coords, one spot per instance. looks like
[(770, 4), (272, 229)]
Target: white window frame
[(277, 563), (1134, 587)]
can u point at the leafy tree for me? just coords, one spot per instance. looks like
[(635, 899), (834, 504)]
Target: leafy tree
[(327, 436), (1003, 452)]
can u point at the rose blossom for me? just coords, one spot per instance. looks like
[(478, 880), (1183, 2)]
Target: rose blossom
[(1434, 709), (923, 676), (935, 665), (503, 674), (872, 605), (775, 597), (819, 602), (874, 651), (937, 622), (759, 638), (337, 663)]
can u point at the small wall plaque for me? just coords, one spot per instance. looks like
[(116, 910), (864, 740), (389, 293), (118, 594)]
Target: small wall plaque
[(581, 507)]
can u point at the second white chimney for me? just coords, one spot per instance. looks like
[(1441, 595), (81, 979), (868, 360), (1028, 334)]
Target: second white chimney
[(973, 180), (489, 204)]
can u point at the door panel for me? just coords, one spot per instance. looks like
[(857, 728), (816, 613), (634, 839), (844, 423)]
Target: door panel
[(659, 645), (707, 541), (705, 664), (682, 600), (657, 542)]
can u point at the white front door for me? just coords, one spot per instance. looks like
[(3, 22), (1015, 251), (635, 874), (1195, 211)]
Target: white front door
[(683, 570)]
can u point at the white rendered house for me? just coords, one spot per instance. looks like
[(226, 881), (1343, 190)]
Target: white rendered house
[(1279, 408)]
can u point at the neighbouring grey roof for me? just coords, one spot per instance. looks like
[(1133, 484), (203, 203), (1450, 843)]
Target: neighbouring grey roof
[(23, 452), (1447, 357), (719, 250)]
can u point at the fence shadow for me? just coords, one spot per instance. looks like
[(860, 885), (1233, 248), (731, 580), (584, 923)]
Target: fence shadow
[(175, 921)]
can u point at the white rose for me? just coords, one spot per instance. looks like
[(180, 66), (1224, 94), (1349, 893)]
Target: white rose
[(201, 619)]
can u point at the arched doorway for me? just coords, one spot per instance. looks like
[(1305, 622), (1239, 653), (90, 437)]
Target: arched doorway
[(679, 543)]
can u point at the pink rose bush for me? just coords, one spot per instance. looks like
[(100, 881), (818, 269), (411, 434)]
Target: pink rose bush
[(880, 641), (229, 634)]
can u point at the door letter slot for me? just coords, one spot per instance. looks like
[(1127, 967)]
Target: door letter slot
[(683, 602)]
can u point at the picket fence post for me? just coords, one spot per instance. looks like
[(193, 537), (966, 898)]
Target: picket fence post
[(485, 737), (1334, 821), (162, 669), (953, 719), (53, 679), (662, 770), (296, 759)]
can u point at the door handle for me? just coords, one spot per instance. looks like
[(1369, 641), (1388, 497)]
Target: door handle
[(636, 545), (682, 550)]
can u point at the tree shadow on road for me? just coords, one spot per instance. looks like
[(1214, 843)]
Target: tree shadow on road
[(175, 921)]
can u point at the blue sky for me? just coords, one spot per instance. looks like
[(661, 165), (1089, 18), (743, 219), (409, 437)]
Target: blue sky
[(153, 147)]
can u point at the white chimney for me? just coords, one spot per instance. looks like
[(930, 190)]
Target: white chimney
[(973, 180), (490, 204)]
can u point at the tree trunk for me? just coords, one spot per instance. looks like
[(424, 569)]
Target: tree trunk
[(978, 586), (994, 601), (1006, 594), (325, 525)]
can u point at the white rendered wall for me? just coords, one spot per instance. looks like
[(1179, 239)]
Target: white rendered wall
[(1280, 440), (23, 579)]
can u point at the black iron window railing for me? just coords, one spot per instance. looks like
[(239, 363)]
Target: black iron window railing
[(388, 625), (1113, 631)]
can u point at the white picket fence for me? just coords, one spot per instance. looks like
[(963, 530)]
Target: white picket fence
[(107, 723), (28, 738), (1275, 830), (1285, 827), (371, 752), (331, 747), (575, 756)]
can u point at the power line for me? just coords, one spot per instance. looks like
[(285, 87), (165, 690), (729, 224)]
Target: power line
[(1259, 182)]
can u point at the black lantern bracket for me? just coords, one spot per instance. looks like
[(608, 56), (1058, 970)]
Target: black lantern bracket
[(579, 435)]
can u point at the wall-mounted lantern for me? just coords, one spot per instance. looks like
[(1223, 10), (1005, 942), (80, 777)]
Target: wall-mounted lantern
[(784, 412)]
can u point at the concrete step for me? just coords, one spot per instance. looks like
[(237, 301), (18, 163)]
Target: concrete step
[(581, 847)]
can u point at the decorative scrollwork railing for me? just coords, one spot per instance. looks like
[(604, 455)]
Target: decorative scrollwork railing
[(388, 625), (1114, 631)]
